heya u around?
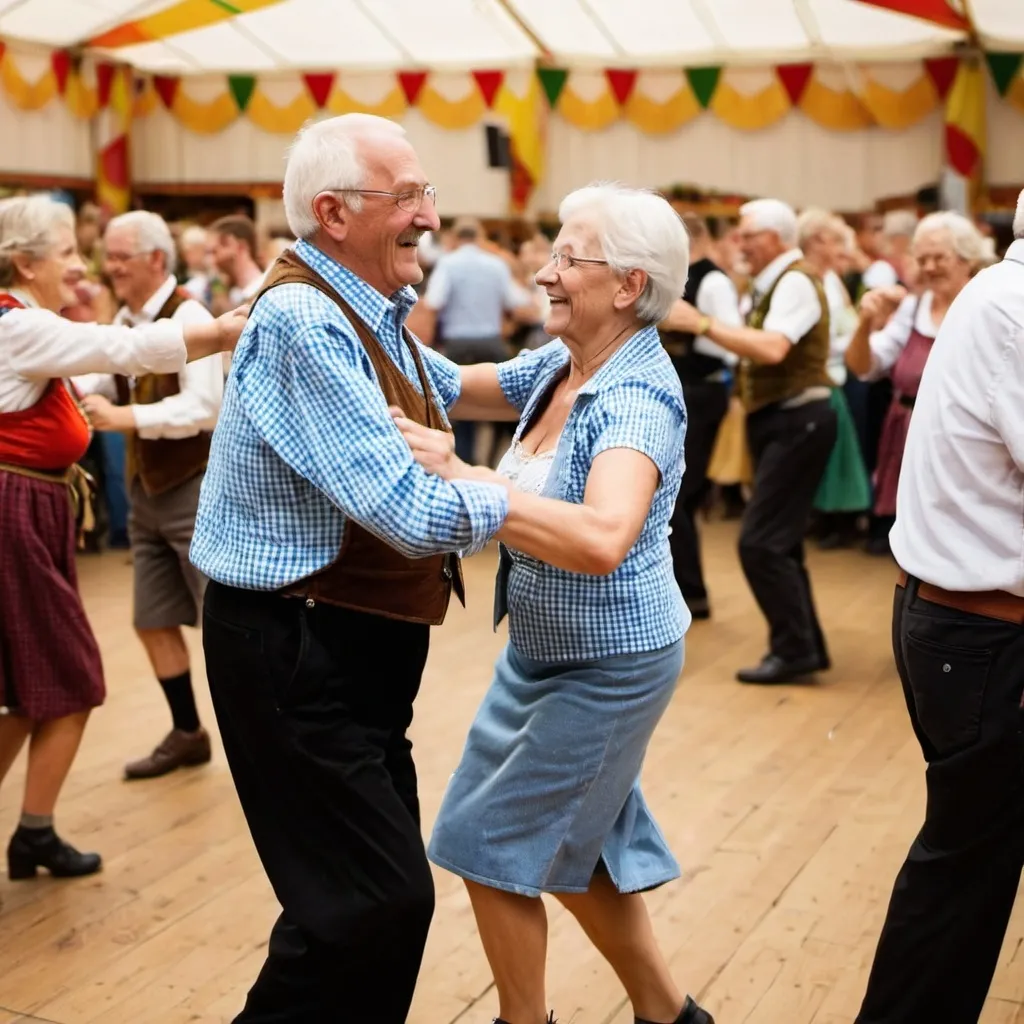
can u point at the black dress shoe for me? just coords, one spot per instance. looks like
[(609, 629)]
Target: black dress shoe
[(774, 669), (550, 1020), (691, 1013), (31, 849)]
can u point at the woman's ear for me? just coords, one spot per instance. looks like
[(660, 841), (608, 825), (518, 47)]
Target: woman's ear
[(23, 267), (630, 289)]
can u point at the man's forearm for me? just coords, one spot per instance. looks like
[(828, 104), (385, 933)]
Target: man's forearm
[(749, 342)]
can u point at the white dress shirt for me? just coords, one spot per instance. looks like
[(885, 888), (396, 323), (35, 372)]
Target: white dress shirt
[(716, 297), (196, 406), (37, 346), (795, 307), (960, 503), (888, 344)]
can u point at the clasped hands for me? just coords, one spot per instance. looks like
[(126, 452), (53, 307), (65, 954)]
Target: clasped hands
[(434, 450)]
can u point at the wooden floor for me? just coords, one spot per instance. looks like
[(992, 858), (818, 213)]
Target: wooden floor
[(790, 809)]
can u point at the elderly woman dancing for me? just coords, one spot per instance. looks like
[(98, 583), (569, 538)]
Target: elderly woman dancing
[(546, 798), (50, 671)]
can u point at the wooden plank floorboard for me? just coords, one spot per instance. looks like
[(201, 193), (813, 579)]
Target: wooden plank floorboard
[(789, 809)]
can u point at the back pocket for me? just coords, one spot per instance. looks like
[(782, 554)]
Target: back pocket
[(948, 684)]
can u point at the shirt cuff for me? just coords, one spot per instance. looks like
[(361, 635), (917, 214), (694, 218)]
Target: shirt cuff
[(147, 417), (163, 347), (487, 509)]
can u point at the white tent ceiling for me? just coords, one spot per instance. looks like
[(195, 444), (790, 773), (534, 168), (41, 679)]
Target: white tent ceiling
[(405, 34)]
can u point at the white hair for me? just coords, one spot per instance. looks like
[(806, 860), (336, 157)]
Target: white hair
[(1018, 219), (325, 156), (194, 234), (964, 238), (899, 223), (151, 234), (815, 221), (772, 215), (637, 230), (28, 227)]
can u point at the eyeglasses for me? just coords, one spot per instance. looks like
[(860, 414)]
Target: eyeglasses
[(409, 201), (563, 261)]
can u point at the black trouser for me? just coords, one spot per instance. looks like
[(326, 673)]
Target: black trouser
[(706, 405), (963, 679), (313, 706), (790, 449)]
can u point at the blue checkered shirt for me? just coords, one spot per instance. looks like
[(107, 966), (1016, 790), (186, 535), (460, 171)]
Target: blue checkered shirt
[(305, 442), (634, 401)]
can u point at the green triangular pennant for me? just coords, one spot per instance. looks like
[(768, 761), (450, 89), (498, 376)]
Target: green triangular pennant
[(553, 81), (703, 82), (1004, 68), (242, 88)]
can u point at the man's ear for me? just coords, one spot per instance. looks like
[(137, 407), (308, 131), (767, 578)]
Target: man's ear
[(333, 215), (631, 288)]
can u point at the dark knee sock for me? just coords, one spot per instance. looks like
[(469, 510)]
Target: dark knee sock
[(182, 702)]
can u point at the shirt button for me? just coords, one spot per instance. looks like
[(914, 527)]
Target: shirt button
[(446, 572)]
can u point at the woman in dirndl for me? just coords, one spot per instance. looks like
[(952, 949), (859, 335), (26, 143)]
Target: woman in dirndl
[(894, 336), (845, 490), (51, 676), (546, 798)]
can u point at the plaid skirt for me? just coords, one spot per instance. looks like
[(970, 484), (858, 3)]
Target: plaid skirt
[(49, 661)]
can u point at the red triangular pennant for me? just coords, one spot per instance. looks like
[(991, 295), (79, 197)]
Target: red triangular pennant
[(319, 86), (942, 71), (621, 81), (60, 61), (794, 79), (166, 89), (114, 162), (489, 82), (938, 12), (3, 48), (104, 81), (412, 83)]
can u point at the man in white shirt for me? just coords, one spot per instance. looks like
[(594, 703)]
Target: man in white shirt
[(705, 370), (233, 253), (169, 419), (791, 428), (958, 637)]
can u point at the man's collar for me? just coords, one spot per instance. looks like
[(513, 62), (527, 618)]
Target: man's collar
[(152, 305), (771, 273), (344, 281)]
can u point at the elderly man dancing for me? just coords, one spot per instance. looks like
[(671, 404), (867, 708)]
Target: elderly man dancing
[(326, 574)]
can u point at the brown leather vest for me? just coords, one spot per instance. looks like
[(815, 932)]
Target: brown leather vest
[(161, 464), (369, 575), (805, 365)]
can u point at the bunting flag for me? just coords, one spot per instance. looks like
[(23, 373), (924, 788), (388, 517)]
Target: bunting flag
[(526, 119), (947, 13), (1004, 68), (113, 133), (412, 83), (175, 19), (942, 71), (703, 82), (794, 79), (319, 87), (60, 61), (965, 124), (621, 81), (552, 81), (489, 82), (241, 88)]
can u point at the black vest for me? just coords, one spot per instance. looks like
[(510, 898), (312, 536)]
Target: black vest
[(690, 365)]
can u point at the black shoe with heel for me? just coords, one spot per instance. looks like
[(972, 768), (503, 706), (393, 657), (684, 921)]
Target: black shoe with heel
[(31, 849), (691, 1013)]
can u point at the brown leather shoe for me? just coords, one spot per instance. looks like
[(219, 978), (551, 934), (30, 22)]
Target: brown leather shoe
[(178, 749)]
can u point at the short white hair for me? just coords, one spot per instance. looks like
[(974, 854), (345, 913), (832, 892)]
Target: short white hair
[(151, 234), (28, 227), (964, 238), (194, 234), (815, 221), (899, 223), (772, 215), (324, 156), (1018, 220), (637, 230)]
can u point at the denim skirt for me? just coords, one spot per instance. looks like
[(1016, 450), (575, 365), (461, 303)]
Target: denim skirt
[(548, 789)]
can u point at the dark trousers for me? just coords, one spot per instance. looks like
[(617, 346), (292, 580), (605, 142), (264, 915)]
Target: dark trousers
[(706, 405), (313, 705), (963, 680), (467, 351), (790, 449)]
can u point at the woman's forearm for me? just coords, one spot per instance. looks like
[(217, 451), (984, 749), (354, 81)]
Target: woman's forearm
[(203, 340), (858, 352), (481, 397)]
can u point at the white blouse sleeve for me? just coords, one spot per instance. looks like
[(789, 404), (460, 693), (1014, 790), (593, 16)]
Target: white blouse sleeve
[(891, 340), (42, 345)]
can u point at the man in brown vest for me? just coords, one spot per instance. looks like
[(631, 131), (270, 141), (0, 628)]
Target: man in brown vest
[(791, 428), (168, 419), (328, 562)]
